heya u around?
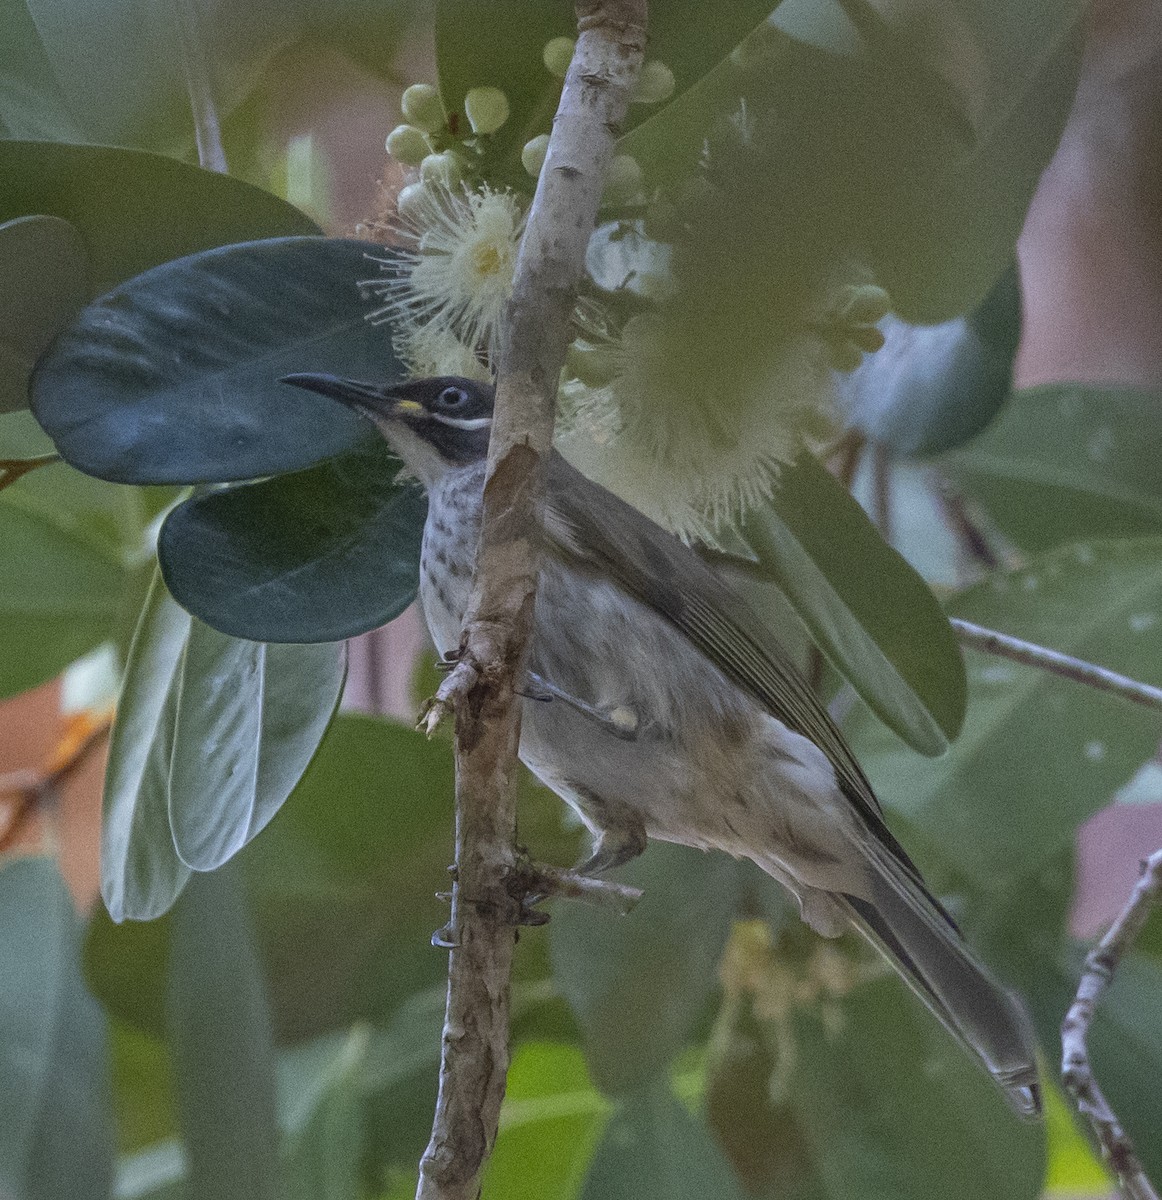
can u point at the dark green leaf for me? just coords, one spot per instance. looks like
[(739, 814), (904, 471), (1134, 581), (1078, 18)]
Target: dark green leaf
[(43, 284), (890, 1106), (1069, 461), (871, 613), (136, 210), (174, 377), (654, 1150), (1038, 754), (56, 1130), (169, 805), (932, 387), (264, 560), (220, 1041), (638, 983), (65, 575)]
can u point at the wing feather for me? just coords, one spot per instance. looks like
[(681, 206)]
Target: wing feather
[(597, 531)]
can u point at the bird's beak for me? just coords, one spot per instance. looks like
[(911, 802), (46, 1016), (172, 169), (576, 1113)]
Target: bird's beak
[(366, 398)]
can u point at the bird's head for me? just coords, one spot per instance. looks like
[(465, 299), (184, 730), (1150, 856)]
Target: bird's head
[(435, 425)]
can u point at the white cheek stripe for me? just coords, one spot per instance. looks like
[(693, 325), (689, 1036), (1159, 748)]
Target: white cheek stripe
[(462, 422)]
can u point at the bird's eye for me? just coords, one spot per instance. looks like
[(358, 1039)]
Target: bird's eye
[(453, 397)]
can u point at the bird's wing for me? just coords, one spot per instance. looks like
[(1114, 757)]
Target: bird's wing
[(595, 530)]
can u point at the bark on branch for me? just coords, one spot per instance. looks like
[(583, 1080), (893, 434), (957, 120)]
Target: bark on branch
[(486, 901), (989, 641), (1076, 1070)]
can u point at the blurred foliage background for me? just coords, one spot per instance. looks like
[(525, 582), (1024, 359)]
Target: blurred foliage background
[(241, 999)]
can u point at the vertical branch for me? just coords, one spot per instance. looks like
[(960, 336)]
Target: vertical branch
[(487, 898), (207, 131), (1076, 1071)]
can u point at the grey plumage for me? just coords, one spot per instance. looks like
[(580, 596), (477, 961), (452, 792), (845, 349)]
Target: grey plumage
[(733, 749)]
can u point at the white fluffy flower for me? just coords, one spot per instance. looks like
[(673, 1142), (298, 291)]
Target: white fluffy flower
[(454, 276)]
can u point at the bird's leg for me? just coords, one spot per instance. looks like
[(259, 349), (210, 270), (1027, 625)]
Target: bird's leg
[(620, 720), (532, 883)]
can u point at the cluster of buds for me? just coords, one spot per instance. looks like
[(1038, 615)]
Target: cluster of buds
[(851, 328), (445, 153)]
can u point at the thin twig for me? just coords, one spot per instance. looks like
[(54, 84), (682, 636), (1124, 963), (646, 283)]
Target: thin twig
[(32, 788), (1031, 655), (481, 687), (207, 131), (1076, 1071), (12, 469)]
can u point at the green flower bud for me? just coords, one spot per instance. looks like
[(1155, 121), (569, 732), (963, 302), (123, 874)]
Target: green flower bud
[(533, 154), (654, 84), (865, 305), (423, 108), (557, 55), (410, 203), (624, 180), (406, 144), (486, 109), (444, 169)]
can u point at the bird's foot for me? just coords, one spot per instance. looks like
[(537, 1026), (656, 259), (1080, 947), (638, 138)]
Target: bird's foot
[(453, 689), (533, 883)]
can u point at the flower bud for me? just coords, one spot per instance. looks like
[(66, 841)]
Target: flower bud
[(444, 169), (410, 203), (533, 154), (486, 109), (423, 108), (407, 144), (557, 55), (654, 84), (624, 180)]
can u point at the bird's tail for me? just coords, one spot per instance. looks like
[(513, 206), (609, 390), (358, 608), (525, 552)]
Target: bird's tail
[(903, 921)]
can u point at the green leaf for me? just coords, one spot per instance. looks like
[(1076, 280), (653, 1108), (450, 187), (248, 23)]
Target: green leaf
[(62, 589), (500, 46), (56, 1130), (170, 806), (321, 1116), (220, 1041), (122, 69), (261, 560), (654, 1150), (869, 611), (43, 284), (134, 209), (549, 1125), (889, 1105), (638, 984), (1038, 753), (932, 387), (861, 152), (141, 874), (199, 345), (342, 885), (1069, 461), (31, 102), (246, 721)]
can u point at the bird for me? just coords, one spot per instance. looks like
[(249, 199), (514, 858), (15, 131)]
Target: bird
[(675, 714)]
